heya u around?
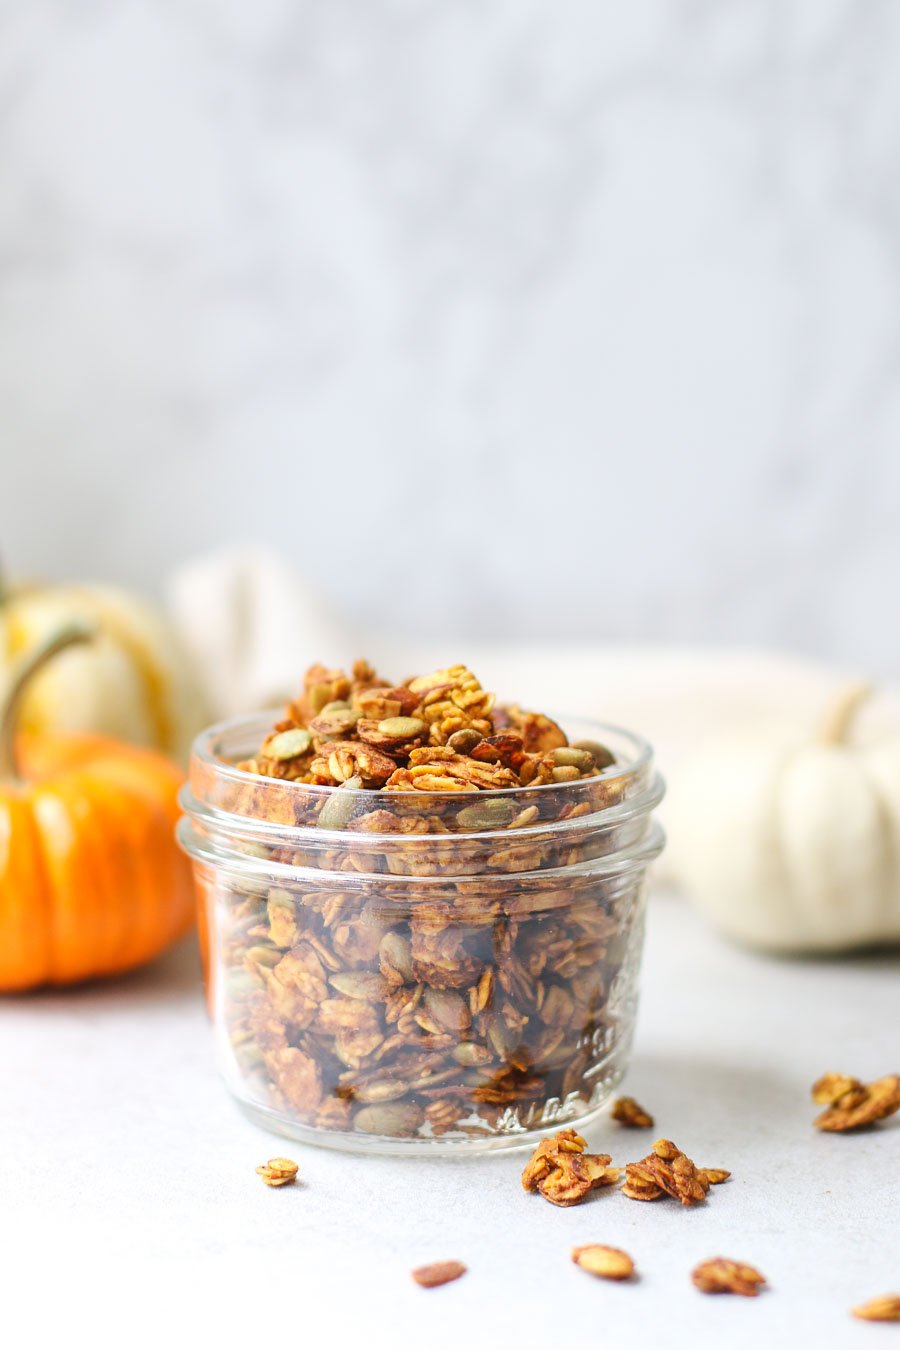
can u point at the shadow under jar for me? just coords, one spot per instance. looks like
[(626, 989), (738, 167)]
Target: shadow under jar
[(420, 972)]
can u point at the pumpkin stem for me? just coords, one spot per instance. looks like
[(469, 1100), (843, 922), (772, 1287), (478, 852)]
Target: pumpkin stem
[(836, 726), (70, 635)]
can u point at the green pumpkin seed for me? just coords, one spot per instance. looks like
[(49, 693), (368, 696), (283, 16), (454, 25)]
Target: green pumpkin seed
[(464, 742), (573, 755), (241, 983), (288, 744), (502, 1038), (395, 957), (469, 1054), (248, 1057), (336, 705), (601, 755), (449, 1010), (402, 727), (340, 807), (319, 696), (491, 814), (384, 1090), (362, 984), (265, 956), (390, 1118), (565, 773), (279, 898), (336, 723)]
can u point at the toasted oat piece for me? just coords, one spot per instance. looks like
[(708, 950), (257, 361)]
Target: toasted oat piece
[(723, 1276), (629, 1112), (564, 1173), (439, 1272), (714, 1175), (883, 1309), (850, 1104), (608, 1263), (278, 1172)]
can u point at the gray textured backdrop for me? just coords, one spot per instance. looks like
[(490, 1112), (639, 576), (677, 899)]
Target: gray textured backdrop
[(576, 318)]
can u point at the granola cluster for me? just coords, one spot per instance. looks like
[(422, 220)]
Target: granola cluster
[(850, 1104), (668, 1171), (422, 966), (436, 733), (565, 1174)]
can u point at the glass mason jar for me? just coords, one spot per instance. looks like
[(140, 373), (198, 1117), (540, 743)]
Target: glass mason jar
[(420, 972)]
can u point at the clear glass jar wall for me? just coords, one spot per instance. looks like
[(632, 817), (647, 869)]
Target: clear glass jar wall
[(411, 971)]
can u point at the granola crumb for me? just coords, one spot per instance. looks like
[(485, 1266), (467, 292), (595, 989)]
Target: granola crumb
[(628, 1112), (723, 1276), (439, 1272), (278, 1172), (607, 1263), (886, 1308)]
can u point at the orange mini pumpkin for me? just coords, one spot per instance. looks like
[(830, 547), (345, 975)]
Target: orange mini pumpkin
[(91, 879)]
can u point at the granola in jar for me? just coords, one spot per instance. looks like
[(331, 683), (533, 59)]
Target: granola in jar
[(423, 910)]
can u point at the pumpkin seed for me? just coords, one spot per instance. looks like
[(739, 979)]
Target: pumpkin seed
[(391, 1118), (362, 984), (469, 1054), (265, 956), (248, 1057), (240, 983), (602, 756), (252, 850), (395, 957), (384, 1090), (464, 742), (339, 808), (338, 722), (492, 814), (565, 773), (448, 1009), (574, 755), (502, 1038), (279, 898), (402, 727), (336, 705), (319, 695), (288, 744)]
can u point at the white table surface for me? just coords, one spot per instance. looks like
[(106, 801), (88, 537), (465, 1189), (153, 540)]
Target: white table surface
[(130, 1209)]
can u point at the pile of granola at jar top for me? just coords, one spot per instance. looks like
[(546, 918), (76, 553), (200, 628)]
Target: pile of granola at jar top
[(411, 1000), (437, 733)]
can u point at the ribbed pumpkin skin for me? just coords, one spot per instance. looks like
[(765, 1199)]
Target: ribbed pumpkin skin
[(92, 882)]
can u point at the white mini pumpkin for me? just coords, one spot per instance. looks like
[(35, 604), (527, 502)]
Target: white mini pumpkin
[(790, 842), (132, 682)]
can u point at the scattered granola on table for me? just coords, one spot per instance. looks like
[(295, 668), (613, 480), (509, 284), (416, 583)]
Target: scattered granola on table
[(564, 1173), (278, 1172), (439, 957), (607, 1263), (439, 1272), (886, 1308), (722, 1276), (628, 1112), (668, 1171), (850, 1104)]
